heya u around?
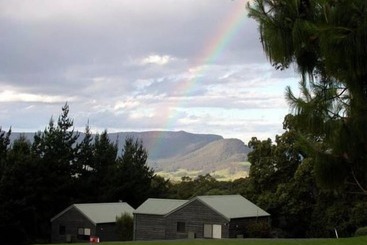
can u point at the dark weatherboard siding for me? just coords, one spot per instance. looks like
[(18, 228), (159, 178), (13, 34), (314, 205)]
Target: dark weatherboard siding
[(66, 226), (149, 227), (195, 215)]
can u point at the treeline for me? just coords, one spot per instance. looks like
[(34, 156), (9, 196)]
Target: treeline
[(40, 179), (284, 180)]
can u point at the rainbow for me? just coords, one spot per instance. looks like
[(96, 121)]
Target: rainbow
[(213, 49)]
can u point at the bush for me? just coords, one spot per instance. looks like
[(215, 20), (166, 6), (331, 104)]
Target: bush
[(125, 224), (13, 234), (258, 230), (361, 231)]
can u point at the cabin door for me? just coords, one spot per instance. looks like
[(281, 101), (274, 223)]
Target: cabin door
[(217, 231), (208, 231)]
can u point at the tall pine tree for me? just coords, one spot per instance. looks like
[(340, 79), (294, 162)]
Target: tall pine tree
[(55, 153), (326, 42)]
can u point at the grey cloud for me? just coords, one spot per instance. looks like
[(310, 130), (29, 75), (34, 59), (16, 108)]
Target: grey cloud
[(92, 51), (135, 28)]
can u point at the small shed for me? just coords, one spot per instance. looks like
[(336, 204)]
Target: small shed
[(219, 216), (79, 222)]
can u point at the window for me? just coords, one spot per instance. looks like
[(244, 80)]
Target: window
[(87, 231), (62, 229), (83, 233), (181, 227)]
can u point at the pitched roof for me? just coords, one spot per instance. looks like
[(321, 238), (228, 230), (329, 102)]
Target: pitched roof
[(232, 206), (100, 212), (159, 206)]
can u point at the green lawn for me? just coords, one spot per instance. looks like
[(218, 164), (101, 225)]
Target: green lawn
[(342, 241)]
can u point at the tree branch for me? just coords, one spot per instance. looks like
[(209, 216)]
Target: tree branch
[(364, 191)]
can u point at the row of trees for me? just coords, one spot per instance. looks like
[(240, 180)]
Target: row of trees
[(39, 179)]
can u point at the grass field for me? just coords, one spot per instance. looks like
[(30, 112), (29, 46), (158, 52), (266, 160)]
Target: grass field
[(342, 241), (226, 174)]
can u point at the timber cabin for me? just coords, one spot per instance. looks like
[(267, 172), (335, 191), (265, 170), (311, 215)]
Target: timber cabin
[(79, 222), (221, 216)]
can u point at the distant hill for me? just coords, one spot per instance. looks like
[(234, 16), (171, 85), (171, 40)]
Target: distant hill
[(167, 144), (170, 152), (210, 157)]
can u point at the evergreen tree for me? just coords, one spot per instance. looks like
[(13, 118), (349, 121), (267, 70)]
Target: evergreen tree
[(282, 180), (132, 177), (85, 154), (18, 219), (4, 145), (103, 167), (326, 41), (55, 154), (84, 170)]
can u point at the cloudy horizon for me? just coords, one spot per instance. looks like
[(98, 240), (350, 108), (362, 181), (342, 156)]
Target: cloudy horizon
[(138, 65)]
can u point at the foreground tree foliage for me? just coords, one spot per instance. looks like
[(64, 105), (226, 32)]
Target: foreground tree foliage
[(326, 41), (282, 180)]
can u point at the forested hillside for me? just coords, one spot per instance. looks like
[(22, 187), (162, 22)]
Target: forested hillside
[(215, 155), (223, 159)]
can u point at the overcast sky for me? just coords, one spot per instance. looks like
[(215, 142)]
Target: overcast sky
[(138, 65)]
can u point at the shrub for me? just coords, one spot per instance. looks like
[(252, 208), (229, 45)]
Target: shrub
[(258, 230), (125, 226), (361, 231), (13, 234)]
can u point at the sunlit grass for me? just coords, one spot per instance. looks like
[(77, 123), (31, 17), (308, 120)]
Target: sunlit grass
[(226, 174)]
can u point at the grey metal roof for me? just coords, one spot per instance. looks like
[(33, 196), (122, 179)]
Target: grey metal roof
[(100, 212), (232, 206), (159, 206)]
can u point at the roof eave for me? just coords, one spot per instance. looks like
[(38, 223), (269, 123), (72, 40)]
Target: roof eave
[(86, 216), (61, 213), (194, 199)]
